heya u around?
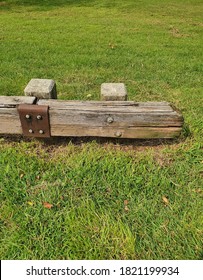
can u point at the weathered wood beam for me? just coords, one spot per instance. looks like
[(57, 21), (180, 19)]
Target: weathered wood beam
[(9, 118), (118, 119), (121, 119)]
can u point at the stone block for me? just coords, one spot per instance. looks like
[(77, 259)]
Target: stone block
[(41, 88), (113, 92)]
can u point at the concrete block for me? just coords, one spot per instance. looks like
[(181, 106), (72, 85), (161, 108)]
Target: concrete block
[(113, 92), (41, 88)]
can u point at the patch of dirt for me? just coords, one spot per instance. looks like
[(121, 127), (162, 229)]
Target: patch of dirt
[(175, 32), (162, 159), (3, 3)]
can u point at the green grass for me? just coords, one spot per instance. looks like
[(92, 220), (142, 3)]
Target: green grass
[(107, 196)]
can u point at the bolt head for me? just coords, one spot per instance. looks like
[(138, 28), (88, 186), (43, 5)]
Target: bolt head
[(41, 131), (30, 131), (27, 116), (118, 134), (110, 119), (39, 117)]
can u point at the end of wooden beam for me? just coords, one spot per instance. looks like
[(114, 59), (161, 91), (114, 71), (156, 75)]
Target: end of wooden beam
[(41, 88), (113, 92)]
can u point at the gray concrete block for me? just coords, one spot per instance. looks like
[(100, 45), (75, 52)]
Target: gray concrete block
[(41, 88), (113, 92)]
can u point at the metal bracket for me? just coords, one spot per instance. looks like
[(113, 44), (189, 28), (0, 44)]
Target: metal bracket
[(34, 120)]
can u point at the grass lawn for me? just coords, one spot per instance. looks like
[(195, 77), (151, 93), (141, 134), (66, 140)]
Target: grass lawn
[(79, 199)]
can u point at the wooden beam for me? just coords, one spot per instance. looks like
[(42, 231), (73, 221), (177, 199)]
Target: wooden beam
[(119, 119), (13, 101), (9, 118)]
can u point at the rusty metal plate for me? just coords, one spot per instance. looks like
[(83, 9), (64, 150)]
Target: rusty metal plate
[(34, 120)]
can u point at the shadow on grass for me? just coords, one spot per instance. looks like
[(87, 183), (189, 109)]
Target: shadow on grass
[(126, 144), (116, 144)]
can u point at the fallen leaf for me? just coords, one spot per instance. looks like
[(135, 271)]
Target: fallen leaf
[(108, 190), (47, 205), (112, 46), (165, 200), (89, 95), (126, 202), (126, 205), (198, 190), (22, 175), (30, 203)]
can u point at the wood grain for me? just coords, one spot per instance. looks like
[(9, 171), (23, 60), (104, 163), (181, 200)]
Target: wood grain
[(9, 118), (123, 132), (13, 101), (130, 119)]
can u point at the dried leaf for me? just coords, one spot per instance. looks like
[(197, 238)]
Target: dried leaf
[(47, 205), (30, 203), (22, 175), (112, 46), (126, 205), (165, 200), (198, 190), (126, 202), (108, 190)]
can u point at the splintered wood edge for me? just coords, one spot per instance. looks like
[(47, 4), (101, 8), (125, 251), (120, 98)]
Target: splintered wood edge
[(128, 107), (53, 102), (13, 101), (113, 106)]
